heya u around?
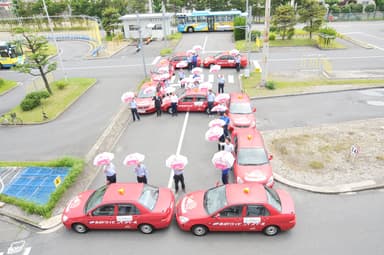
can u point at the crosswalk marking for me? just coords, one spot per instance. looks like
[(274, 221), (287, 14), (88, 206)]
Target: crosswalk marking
[(173, 78), (211, 78), (27, 251), (230, 78)]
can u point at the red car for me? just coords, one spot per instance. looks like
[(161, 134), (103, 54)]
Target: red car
[(193, 100), (252, 160), (182, 56), (163, 70), (236, 207), (120, 206), (144, 99), (225, 59), (240, 112)]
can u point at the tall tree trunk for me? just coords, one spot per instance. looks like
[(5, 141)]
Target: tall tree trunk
[(45, 80)]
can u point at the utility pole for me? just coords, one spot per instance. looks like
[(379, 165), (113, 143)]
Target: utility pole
[(150, 10), (264, 73), (141, 44), (54, 40), (164, 23)]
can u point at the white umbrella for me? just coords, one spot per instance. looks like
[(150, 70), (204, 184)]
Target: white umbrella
[(216, 123), (205, 85), (219, 108), (133, 159), (197, 70), (127, 96), (190, 52), (214, 68), (169, 90), (223, 160), (177, 162), (186, 80), (214, 133), (182, 64), (103, 158), (234, 52), (222, 98), (197, 48)]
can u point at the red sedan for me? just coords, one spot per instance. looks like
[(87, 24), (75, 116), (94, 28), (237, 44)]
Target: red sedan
[(120, 206), (193, 100), (252, 162), (225, 59), (240, 112), (163, 70), (144, 99), (236, 207), (181, 59)]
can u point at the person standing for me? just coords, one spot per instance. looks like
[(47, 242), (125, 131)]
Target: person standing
[(194, 60), (211, 101), (110, 173), (189, 60), (141, 173), (133, 105), (221, 82), (226, 120), (174, 100), (224, 175), (228, 146), (178, 177), (181, 77), (158, 102), (237, 60)]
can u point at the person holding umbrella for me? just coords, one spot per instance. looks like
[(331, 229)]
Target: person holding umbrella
[(110, 173), (133, 105), (141, 173), (211, 101)]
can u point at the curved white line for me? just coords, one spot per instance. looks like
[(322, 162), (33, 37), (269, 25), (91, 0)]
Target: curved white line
[(2, 185)]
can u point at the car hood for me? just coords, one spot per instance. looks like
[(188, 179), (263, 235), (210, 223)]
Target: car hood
[(75, 207), (191, 205), (209, 59), (254, 173), (286, 200), (242, 119), (144, 102), (165, 202)]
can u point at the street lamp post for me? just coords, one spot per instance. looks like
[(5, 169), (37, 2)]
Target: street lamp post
[(141, 44), (54, 40), (264, 73)]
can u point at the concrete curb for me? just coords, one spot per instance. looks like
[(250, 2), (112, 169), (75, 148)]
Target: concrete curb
[(9, 90)]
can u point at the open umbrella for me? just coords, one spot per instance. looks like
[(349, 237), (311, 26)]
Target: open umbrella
[(127, 96), (214, 133), (198, 78), (205, 85), (234, 52), (169, 90), (197, 48), (103, 158), (182, 64), (177, 162), (197, 70), (186, 80), (223, 160), (214, 68), (133, 159), (222, 98), (216, 123), (190, 52), (219, 108)]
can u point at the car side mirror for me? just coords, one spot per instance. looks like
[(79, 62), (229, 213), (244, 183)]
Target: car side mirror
[(254, 109), (270, 157)]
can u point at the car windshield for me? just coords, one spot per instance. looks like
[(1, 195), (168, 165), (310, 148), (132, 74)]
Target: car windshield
[(149, 196), (215, 199), (240, 108), (160, 70), (95, 199), (252, 156), (148, 94), (273, 198)]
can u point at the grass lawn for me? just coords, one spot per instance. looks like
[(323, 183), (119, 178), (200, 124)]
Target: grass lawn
[(252, 87), (6, 85), (56, 103)]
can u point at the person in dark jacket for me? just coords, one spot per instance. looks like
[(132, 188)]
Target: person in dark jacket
[(158, 102)]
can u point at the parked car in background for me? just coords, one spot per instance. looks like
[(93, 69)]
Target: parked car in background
[(120, 206), (225, 59), (181, 58), (163, 70), (236, 207)]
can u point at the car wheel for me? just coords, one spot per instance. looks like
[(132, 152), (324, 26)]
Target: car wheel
[(190, 30), (79, 228), (146, 228), (170, 110), (199, 230), (271, 230)]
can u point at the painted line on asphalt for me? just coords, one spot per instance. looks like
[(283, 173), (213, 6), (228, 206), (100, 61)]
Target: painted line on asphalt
[(325, 57), (1, 187), (155, 60), (205, 43), (102, 67), (179, 146), (27, 250)]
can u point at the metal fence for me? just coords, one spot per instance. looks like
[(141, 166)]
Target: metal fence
[(377, 15)]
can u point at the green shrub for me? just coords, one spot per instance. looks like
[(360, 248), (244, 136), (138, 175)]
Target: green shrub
[(272, 37), (175, 36), (165, 52), (2, 82), (357, 7), (38, 95), (239, 33), (335, 9), (370, 8), (290, 33), (273, 29), (346, 8), (61, 84), (29, 103), (76, 166), (328, 31), (270, 85), (255, 34)]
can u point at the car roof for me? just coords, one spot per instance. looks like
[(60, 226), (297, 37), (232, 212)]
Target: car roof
[(246, 193), (120, 192), (193, 92), (149, 84), (239, 97), (163, 62), (177, 54), (249, 137)]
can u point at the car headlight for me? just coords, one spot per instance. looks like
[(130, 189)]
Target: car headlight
[(253, 124), (239, 180), (183, 219), (270, 180), (65, 218)]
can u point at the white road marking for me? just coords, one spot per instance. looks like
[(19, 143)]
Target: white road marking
[(230, 78), (205, 43), (155, 60), (179, 146), (328, 58), (376, 103), (2, 186), (1, 253), (27, 250), (172, 78), (211, 78), (102, 67)]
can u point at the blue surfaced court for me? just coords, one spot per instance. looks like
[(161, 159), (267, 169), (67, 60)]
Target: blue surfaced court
[(35, 184)]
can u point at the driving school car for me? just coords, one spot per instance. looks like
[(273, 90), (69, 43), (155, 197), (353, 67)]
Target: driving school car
[(180, 60), (240, 112), (144, 99), (120, 206), (224, 59), (235, 208), (162, 71)]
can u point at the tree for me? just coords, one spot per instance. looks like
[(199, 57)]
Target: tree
[(37, 58), (110, 17), (312, 14), (21, 8), (284, 19)]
